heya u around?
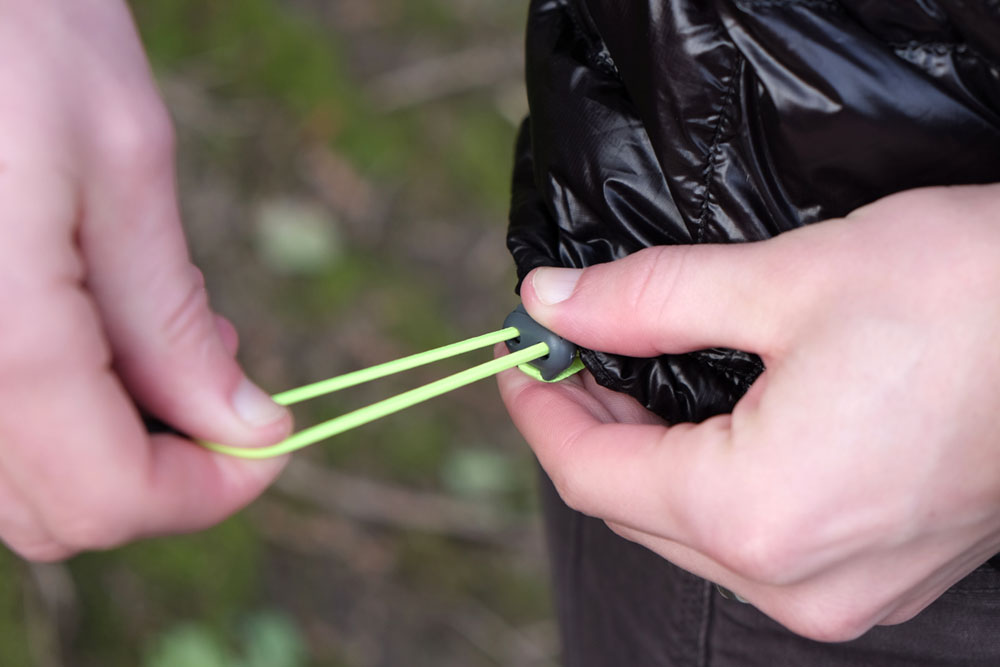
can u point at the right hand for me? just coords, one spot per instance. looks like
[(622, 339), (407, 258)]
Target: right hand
[(101, 307), (858, 478)]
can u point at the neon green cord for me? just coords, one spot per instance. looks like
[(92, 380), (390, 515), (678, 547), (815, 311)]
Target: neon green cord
[(536, 374), (393, 404), (309, 391)]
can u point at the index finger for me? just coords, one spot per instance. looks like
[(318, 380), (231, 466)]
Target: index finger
[(649, 477)]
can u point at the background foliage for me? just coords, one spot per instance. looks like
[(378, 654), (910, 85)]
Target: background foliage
[(344, 170)]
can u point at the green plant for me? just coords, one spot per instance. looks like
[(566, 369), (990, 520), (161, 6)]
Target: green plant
[(269, 639)]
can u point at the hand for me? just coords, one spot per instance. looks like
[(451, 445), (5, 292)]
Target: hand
[(102, 309), (860, 476)]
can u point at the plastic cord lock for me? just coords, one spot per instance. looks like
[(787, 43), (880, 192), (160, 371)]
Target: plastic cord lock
[(562, 356), (533, 343), (392, 404)]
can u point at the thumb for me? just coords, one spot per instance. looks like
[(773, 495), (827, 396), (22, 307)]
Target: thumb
[(169, 348), (666, 300)]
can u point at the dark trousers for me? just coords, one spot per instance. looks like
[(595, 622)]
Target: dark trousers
[(622, 605)]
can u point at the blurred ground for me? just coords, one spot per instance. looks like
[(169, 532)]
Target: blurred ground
[(343, 168)]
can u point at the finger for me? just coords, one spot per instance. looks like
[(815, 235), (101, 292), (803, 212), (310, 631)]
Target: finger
[(77, 454), (640, 474), (812, 609), (228, 334), (22, 531), (606, 404), (823, 609), (692, 561), (165, 338), (74, 452), (189, 488), (670, 299), (624, 408)]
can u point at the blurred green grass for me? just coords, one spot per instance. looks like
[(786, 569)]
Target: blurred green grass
[(256, 87), (260, 48)]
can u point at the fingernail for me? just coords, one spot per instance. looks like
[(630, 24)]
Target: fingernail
[(555, 285), (254, 406)]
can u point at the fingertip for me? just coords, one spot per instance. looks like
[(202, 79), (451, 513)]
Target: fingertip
[(545, 291), (192, 382), (554, 285), (214, 401), (260, 421), (254, 407)]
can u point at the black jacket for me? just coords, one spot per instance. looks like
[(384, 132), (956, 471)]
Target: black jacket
[(657, 122), (675, 121)]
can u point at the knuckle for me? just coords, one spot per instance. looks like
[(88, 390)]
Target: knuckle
[(658, 273), (83, 530), (188, 319), (571, 493), (138, 138), (759, 559), (825, 624), (622, 531), (41, 551), (569, 477), (766, 552)]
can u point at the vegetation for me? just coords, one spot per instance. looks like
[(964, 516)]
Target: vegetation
[(343, 172)]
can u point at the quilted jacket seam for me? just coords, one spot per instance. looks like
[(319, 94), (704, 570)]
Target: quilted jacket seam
[(712, 153)]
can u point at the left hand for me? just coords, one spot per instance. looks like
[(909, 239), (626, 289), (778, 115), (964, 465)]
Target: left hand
[(859, 478), (101, 309)]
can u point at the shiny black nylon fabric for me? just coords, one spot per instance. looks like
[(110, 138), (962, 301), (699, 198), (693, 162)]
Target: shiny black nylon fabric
[(671, 122)]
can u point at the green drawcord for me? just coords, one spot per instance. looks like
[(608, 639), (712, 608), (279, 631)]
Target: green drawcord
[(393, 404)]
